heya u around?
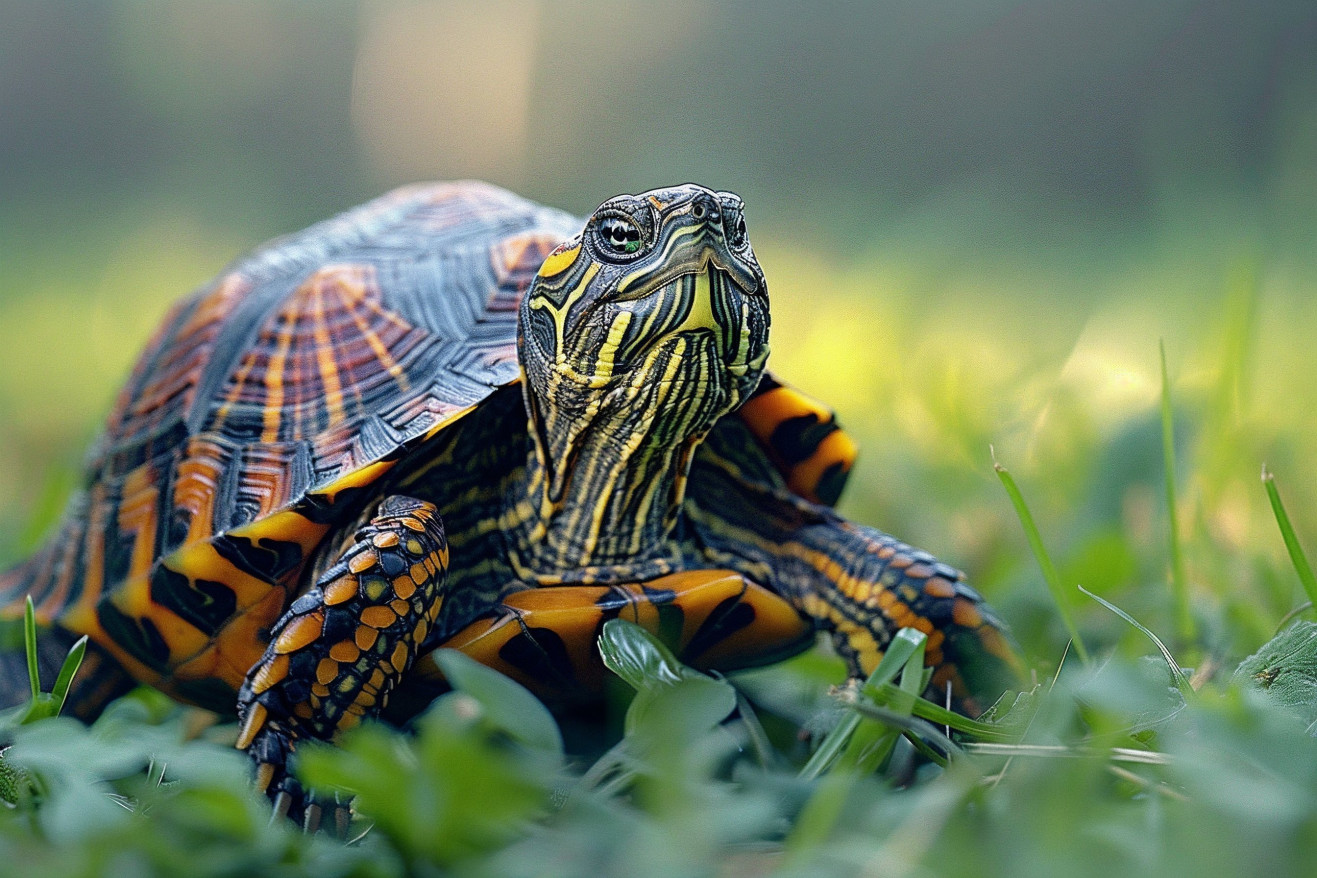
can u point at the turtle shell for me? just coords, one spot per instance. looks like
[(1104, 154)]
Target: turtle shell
[(267, 400)]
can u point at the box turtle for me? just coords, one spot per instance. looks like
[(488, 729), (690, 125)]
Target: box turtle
[(455, 418)]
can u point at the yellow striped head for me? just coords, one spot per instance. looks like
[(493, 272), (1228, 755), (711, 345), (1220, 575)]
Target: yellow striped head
[(659, 286)]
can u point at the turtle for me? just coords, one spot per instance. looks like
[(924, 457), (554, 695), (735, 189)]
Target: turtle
[(455, 418)]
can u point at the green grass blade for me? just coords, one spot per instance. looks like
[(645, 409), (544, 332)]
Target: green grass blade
[(1181, 681), (30, 641), (1297, 557), (903, 646), (72, 662), (1184, 620), (1053, 579), (871, 742)]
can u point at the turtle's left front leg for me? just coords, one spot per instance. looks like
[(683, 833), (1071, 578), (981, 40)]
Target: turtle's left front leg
[(339, 650)]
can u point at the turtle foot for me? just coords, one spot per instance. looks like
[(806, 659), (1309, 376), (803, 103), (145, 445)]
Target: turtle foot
[(272, 749)]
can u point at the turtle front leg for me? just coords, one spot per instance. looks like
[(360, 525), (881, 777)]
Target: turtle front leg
[(337, 653)]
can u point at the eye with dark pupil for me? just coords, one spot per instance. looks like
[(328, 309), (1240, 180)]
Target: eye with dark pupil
[(620, 235)]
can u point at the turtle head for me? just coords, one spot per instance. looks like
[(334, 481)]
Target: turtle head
[(635, 337), (662, 286)]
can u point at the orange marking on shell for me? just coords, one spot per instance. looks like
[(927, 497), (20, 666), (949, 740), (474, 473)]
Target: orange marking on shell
[(300, 632), (326, 671), (137, 517), (356, 478), (413, 523), (243, 645), (363, 562), (384, 539), (401, 607), (378, 616), (302, 710), (365, 637), (419, 573), (404, 587), (340, 590), (919, 571), (274, 376), (366, 699), (320, 690), (325, 360), (251, 725), (377, 678), (273, 671), (344, 651), (965, 614)]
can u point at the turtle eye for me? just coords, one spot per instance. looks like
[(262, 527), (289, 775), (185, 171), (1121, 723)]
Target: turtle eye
[(619, 236)]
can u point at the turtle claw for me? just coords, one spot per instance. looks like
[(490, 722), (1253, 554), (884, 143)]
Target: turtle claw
[(271, 748), (283, 803), (311, 819)]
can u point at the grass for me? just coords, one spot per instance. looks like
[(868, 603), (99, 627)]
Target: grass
[(1135, 461)]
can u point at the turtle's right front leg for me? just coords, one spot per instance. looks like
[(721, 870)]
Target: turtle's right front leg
[(337, 653)]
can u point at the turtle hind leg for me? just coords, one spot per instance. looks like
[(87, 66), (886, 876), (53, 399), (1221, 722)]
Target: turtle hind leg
[(337, 653)]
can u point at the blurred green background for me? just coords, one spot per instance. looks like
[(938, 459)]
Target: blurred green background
[(977, 219)]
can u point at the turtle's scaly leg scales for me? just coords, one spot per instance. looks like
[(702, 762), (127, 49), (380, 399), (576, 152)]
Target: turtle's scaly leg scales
[(545, 637), (337, 653)]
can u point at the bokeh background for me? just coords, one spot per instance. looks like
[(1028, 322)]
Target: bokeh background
[(978, 221)]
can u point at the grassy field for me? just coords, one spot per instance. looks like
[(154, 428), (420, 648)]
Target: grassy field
[(1049, 358)]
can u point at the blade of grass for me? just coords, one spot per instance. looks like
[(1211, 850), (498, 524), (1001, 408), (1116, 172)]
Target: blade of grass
[(72, 662), (1181, 681), (1184, 620), (30, 641), (898, 652), (1297, 557), (1053, 579), (872, 742), (856, 747)]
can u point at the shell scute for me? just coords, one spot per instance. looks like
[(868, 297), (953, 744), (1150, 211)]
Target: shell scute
[(266, 407)]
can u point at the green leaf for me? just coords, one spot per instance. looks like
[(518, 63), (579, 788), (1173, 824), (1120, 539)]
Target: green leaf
[(507, 704), (687, 707), (1285, 668), (638, 657), (666, 690)]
